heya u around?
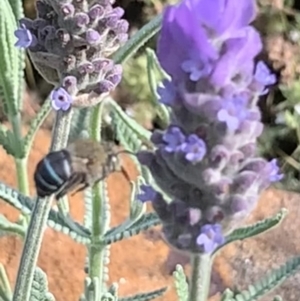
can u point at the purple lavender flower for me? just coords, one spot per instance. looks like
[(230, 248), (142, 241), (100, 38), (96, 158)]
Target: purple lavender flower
[(211, 237), (60, 99), (173, 138), (148, 193), (206, 160), (263, 77), (274, 175), (194, 148), (25, 37), (66, 38), (234, 112)]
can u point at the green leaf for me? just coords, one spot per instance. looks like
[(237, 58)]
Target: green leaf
[(269, 282), (131, 134), (88, 208), (153, 68), (17, 9), (11, 61), (39, 289), (11, 228), (5, 288), (55, 220), (256, 229), (7, 140), (80, 123), (181, 285), (145, 296), (115, 234), (35, 125), (138, 40)]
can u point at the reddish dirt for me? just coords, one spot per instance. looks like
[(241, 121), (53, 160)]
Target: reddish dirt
[(143, 263)]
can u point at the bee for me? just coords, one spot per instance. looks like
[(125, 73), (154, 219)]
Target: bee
[(80, 165)]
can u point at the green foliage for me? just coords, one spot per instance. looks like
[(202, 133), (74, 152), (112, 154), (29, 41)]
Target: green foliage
[(181, 285), (11, 61), (256, 229), (5, 289), (9, 227), (266, 284), (147, 221), (39, 290), (145, 296), (80, 122), (7, 140), (55, 220), (36, 124)]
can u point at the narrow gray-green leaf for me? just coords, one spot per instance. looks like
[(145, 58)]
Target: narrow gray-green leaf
[(6, 140), (10, 227), (55, 221), (153, 68), (80, 123), (10, 60), (35, 125), (147, 221), (181, 284), (138, 40), (269, 282), (131, 134), (39, 289), (256, 229), (145, 296)]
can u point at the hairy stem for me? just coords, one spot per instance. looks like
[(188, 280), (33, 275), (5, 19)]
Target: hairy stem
[(22, 175), (39, 218), (200, 277), (96, 250)]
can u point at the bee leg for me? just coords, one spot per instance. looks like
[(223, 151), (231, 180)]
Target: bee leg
[(75, 180), (86, 185)]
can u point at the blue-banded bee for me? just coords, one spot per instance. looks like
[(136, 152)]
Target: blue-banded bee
[(80, 165)]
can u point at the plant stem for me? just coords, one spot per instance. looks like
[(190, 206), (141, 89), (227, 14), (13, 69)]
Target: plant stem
[(96, 249), (39, 218), (200, 277), (22, 176)]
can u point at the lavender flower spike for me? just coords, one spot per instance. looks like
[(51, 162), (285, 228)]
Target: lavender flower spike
[(70, 38), (206, 160)]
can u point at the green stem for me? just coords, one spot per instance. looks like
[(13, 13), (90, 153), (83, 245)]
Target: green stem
[(39, 219), (96, 249), (22, 175), (200, 277)]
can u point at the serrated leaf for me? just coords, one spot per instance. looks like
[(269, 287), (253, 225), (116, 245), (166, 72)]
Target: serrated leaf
[(5, 288), (145, 296), (256, 229), (131, 134), (55, 220), (10, 227), (6, 140), (153, 68), (269, 282), (181, 285), (35, 125), (11, 65), (39, 290), (148, 220), (79, 123)]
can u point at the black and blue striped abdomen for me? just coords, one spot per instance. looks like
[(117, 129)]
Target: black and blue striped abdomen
[(52, 172)]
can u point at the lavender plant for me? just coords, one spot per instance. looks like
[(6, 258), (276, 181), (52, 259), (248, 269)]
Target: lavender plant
[(201, 173)]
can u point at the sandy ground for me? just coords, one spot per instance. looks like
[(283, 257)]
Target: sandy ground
[(143, 263)]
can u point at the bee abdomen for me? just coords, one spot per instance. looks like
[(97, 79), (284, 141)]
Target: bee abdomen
[(52, 172)]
